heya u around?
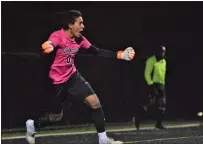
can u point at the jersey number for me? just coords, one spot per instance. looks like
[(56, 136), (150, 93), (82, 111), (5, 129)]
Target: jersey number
[(68, 59)]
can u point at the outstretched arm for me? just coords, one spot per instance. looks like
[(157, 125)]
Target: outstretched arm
[(128, 54)]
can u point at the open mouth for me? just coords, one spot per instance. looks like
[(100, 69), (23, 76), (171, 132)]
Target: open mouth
[(80, 32)]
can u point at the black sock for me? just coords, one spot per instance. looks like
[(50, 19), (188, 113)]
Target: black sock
[(99, 120)]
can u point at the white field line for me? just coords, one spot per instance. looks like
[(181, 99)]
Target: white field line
[(90, 132)]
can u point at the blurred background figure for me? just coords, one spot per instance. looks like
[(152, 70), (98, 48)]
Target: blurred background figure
[(154, 74)]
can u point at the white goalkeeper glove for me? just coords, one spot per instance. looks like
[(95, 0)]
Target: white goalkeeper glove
[(128, 54)]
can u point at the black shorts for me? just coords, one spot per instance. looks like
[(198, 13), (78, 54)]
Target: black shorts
[(75, 86)]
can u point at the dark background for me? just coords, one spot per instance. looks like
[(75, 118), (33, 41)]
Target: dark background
[(109, 25)]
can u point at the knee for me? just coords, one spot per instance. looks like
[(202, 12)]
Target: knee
[(56, 117), (161, 102), (161, 109), (93, 102), (95, 105)]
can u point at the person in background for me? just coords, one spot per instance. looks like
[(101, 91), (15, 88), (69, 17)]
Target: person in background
[(154, 74)]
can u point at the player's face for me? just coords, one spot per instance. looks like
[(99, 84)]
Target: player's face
[(77, 27), (163, 52)]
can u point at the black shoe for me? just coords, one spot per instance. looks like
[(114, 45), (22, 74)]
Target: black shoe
[(160, 126)]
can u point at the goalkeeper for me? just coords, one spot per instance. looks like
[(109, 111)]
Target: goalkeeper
[(67, 80)]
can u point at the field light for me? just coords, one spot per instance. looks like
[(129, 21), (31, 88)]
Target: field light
[(200, 114)]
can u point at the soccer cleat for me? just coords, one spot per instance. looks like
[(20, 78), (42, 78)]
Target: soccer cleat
[(110, 141), (30, 134), (159, 126)]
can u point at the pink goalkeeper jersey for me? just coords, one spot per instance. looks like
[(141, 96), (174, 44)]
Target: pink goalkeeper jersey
[(63, 66)]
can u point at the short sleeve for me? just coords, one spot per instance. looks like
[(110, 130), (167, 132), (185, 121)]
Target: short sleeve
[(55, 39)]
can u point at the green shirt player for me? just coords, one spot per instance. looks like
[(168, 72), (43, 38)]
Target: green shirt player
[(154, 74)]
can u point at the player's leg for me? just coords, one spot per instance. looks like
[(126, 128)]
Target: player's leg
[(99, 119), (55, 113), (161, 106), (30, 131), (139, 116), (142, 109), (55, 108), (83, 91), (97, 115)]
